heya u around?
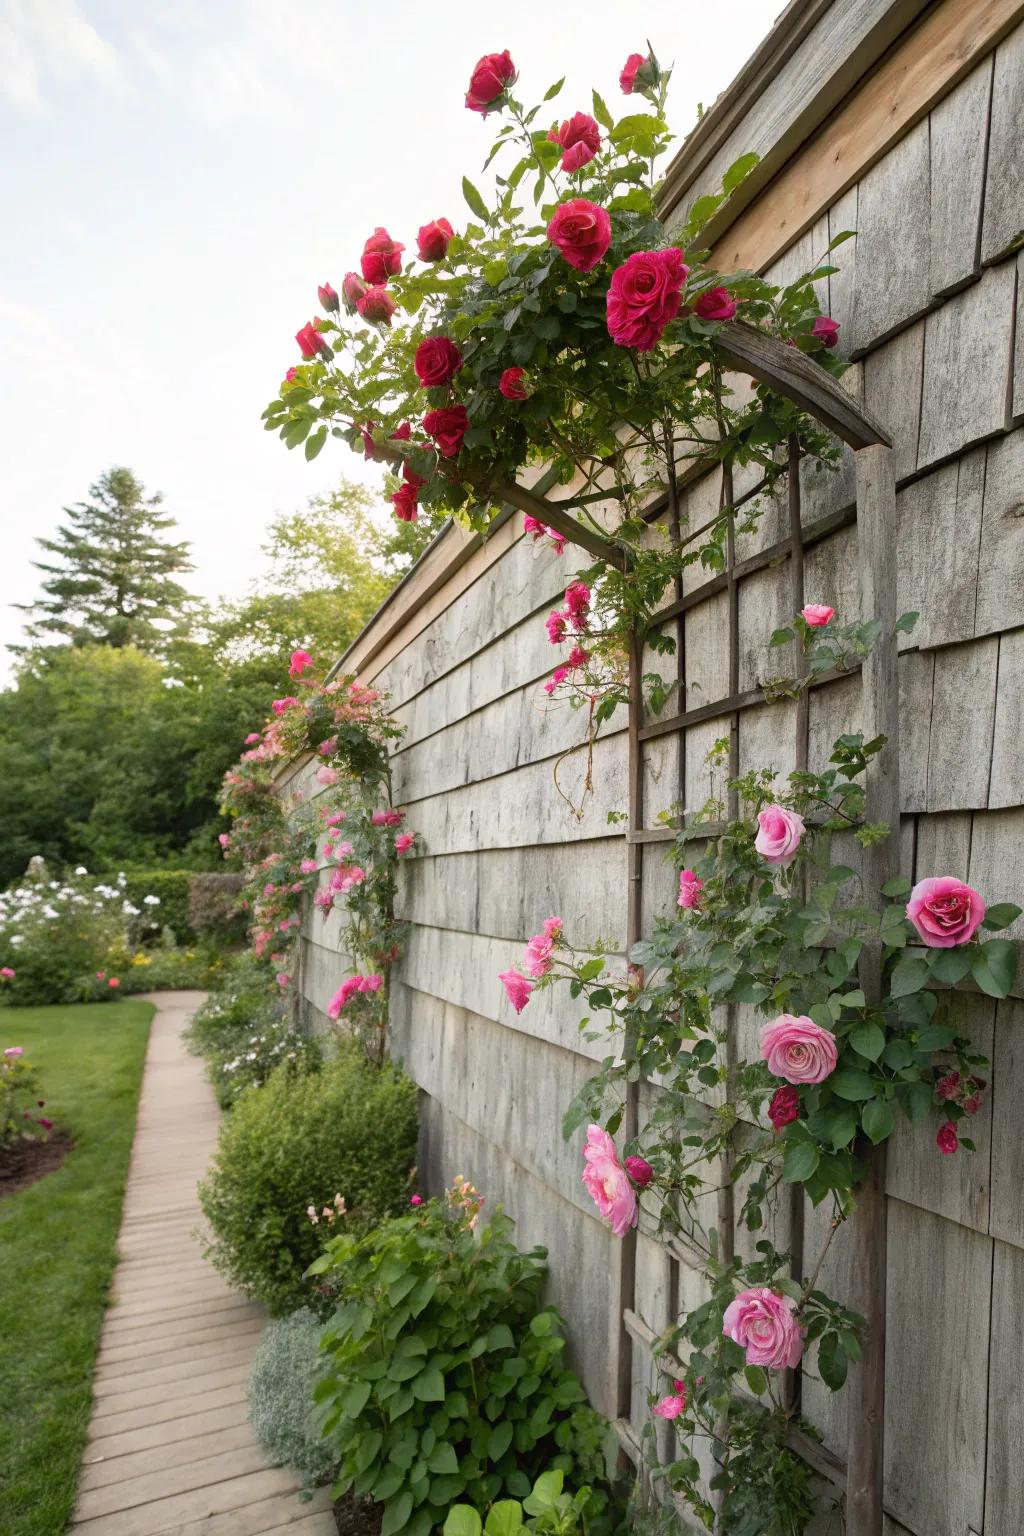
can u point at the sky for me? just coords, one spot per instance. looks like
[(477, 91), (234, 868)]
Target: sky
[(177, 176)]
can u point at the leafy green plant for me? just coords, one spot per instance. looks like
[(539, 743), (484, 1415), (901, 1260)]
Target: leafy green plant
[(549, 1510), (297, 1142), (444, 1376), (244, 1032), (170, 887), (284, 1372)]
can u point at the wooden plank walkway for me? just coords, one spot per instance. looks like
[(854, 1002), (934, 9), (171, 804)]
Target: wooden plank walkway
[(170, 1449)]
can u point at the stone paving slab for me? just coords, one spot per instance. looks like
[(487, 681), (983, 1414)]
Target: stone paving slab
[(170, 1450)]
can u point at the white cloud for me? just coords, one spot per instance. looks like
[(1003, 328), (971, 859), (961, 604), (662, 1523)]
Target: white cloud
[(49, 40)]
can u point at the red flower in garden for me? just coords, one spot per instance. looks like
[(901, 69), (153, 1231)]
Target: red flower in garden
[(580, 138), (352, 290), (405, 504), (381, 258), (947, 1140), (947, 1087), (637, 68), (447, 427), (644, 297), (825, 330), (784, 1107), (491, 78), (716, 304), (437, 361), (377, 305), (582, 232), (328, 298), (433, 240), (511, 384), (311, 342)]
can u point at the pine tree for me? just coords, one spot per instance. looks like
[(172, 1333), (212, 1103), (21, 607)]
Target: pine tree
[(110, 583)]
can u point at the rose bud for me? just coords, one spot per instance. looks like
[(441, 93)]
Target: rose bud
[(311, 342), (491, 78), (352, 290), (511, 384), (638, 72), (825, 330), (433, 240), (381, 258), (377, 305), (328, 298), (640, 1171)]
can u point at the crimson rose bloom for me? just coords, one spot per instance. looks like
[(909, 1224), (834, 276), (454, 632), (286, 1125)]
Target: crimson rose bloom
[(784, 1107), (580, 139), (381, 258), (511, 384), (716, 304), (947, 1139), (636, 68), (582, 232), (432, 241), (377, 304), (311, 342), (644, 296), (825, 330), (491, 78), (328, 298), (447, 427), (405, 504), (437, 361)]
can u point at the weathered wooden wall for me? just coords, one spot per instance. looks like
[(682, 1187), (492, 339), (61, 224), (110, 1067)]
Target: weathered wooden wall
[(926, 298)]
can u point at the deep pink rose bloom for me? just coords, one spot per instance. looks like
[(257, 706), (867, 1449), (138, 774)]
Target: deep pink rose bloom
[(537, 959), (716, 304), (223, 839), (608, 1182), (645, 295), (559, 675), (433, 240), (798, 1049), (636, 64), (577, 657), (402, 433), (949, 1086), (640, 1171), (300, 660), (447, 427), (113, 982), (290, 375), (252, 736), (582, 232), (825, 330), (415, 1199), (7, 973), (784, 1107), (14, 1050), (403, 842), (673, 1406), (517, 988), (945, 911), (580, 138), (779, 834), (352, 290), (328, 298), (491, 78), (947, 1139), (689, 889), (406, 506), (280, 705), (311, 342), (577, 602), (282, 978), (817, 615), (47, 1125), (387, 818), (377, 305), (381, 258), (556, 624), (437, 361), (511, 386), (762, 1322)]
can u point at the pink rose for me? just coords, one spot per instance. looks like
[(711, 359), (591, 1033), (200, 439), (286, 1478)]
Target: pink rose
[(300, 660), (13, 1051), (949, 1086), (784, 1107), (252, 736), (779, 834), (223, 839), (311, 342), (539, 948), (511, 386), (945, 911), (673, 1405), (577, 657), (577, 602), (580, 139), (762, 1322), (689, 889), (113, 982), (437, 361), (716, 304), (415, 1199), (447, 427), (433, 240), (491, 78), (7, 973), (817, 615), (47, 1125), (640, 1171), (637, 71), (825, 330), (947, 1139), (608, 1182), (290, 375), (328, 298), (403, 842), (644, 296), (376, 305), (555, 624), (282, 978), (381, 258), (517, 988), (352, 290), (559, 675), (798, 1049), (582, 232)]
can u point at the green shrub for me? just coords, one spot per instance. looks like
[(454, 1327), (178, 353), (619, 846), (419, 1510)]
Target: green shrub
[(170, 887), (168, 969), (298, 1141), (445, 1379), (244, 1031), (284, 1372), (213, 910)]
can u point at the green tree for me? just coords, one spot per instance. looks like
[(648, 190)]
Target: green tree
[(110, 581)]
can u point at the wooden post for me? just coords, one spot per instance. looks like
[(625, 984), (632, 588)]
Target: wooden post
[(634, 910), (876, 543)]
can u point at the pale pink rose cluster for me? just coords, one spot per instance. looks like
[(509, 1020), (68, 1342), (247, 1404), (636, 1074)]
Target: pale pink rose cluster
[(673, 1404), (608, 1183), (764, 1324), (945, 911), (689, 890), (537, 960), (348, 989), (797, 1049), (779, 834)]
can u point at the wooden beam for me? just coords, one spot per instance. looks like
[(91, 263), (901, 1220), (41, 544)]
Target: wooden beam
[(549, 512), (802, 380)]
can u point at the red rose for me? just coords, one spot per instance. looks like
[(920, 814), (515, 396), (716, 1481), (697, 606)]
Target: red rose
[(949, 1086), (311, 342), (511, 384), (491, 78), (377, 305), (637, 68), (402, 433), (433, 239), (826, 330), (381, 258), (328, 298), (352, 290), (405, 504), (370, 448), (784, 1107), (947, 1140), (716, 304), (437, 361), (447, 427), (580, 139), (644, 296), (639, 1170), (582, 232)]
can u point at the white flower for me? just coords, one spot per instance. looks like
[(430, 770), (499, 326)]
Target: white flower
[(81, 870), (151, 901), (129, 910)]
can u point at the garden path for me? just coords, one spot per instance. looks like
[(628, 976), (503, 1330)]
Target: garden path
[(170, 1449)]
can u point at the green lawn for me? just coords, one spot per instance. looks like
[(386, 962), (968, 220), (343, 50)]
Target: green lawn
[(57, 1251)]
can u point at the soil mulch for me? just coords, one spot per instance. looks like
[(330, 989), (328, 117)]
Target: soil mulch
[(26, 1161), (357, 1517)]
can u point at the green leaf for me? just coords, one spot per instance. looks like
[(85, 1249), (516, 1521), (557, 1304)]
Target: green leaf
[(396, 1514), (356, 1399), (852, 1084), (843, 235), (994, 967), (909, 975), (757, 1381), (702, 210), (739, 171), (443, 1459), (553, 90), (462, 1521), (546, 1493), (905, 623), (781, 636), (868, 1040), (1001, 914), (949, 965), (832, 1361), (499, 1440), (505, 1518), (601, 112), (800, 1162), (315, 441), (877, 1119), (898, 887), (475, 201), (429, 1386)]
